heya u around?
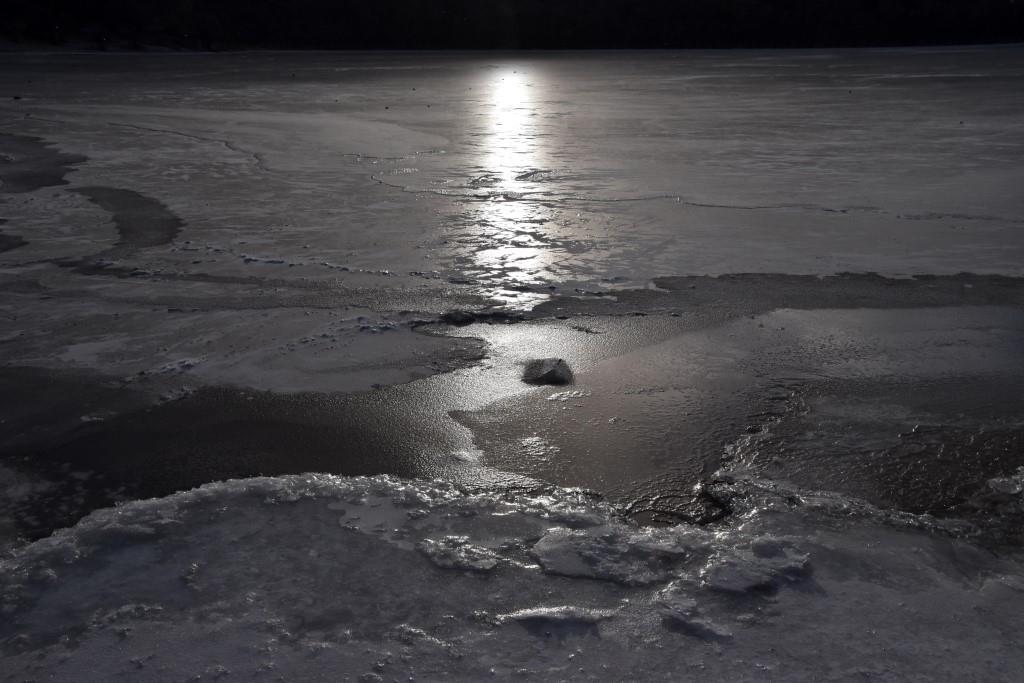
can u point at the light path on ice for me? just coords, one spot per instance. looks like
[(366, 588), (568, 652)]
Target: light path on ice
[(313, 576)]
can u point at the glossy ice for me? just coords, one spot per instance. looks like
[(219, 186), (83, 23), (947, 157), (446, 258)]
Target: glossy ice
[(526, 170)]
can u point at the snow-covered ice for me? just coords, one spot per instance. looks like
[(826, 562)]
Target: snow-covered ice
[(314, 577)]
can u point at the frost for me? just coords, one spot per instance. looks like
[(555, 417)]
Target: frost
[(1010, 486), (456, 552), (174, 367), (612, 554), (680, 612), (564, 396), (256, 579), (564, 614), (410, 635), (126, 613), (765, 564)]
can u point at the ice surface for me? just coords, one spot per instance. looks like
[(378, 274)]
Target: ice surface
[(318, 576), (1008, 486), (456, 552), (292, 186), (312, 224), (606, 553), (534, 171), (764, 564)]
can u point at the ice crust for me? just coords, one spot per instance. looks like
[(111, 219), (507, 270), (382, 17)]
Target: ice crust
[(312, 576)]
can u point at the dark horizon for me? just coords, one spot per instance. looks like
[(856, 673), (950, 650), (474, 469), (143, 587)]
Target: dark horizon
[(513, 24)]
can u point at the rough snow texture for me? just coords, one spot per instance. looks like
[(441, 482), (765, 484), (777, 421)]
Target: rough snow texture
[(314, 576)]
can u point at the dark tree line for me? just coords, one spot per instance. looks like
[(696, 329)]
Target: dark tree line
[(422, 24)]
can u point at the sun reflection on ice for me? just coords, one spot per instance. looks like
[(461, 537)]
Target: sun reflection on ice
[(511, 145), (513, 249)]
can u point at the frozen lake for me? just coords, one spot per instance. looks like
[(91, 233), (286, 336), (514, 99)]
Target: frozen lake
[(556, 169), (789, 285)]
